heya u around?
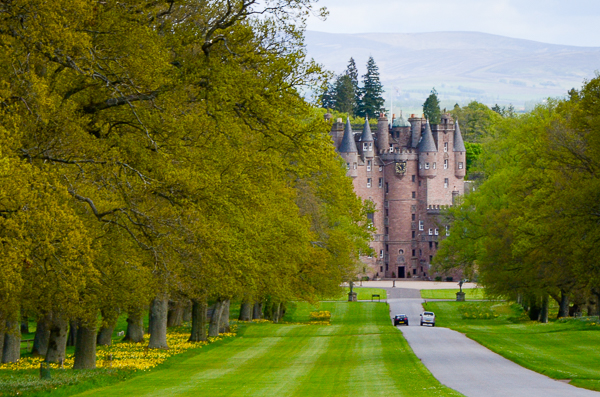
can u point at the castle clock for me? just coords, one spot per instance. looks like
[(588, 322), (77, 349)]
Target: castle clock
[(401, 167)]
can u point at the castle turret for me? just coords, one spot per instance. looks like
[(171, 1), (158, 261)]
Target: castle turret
[(427, 154), (460, 153), (415, 130), (366, 141), (348, 150), (383, 134), (337, 132)]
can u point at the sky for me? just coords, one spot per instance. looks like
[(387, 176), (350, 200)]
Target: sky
[(569, 22)]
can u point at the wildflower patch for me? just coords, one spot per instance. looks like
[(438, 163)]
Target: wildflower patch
[(477, 311), (320, 317)]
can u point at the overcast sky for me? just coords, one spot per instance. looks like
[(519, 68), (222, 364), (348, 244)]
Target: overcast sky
[(571, 22)]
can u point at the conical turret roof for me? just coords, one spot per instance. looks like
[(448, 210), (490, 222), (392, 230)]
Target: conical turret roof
[(427, 144), (459, 145), (348, 145), (366, 136)]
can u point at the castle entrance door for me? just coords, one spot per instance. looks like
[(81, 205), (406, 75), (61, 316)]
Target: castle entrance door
[(401, 273)]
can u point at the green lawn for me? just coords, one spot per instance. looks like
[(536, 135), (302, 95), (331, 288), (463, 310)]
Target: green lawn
[(359, 354), (470, 293), (561, 350), (363, 293)]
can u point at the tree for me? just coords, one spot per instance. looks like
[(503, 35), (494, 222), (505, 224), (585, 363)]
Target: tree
[(345, 95), (352, 72), (476, 120), (431, 108), (371, 102)]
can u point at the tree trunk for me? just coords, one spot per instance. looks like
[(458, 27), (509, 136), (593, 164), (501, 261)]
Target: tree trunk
[(276, 311), (544, 312), (563, 306), (57, 342), (199, 308), (246, 311), (175, 316), (224, 321), (215, 319), (85, 348), (42, 336), (11, 352), (281, 311), (257, 311), (135, 327), (595, 310), (158, 332), (534, 308), (187, 312), (105, 333), (72, 338)]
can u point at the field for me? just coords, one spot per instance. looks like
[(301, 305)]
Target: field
[(363, 294), (470, 293), (565, 349), (359, 354)]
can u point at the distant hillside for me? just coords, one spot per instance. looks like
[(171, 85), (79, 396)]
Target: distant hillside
[(461, 65)]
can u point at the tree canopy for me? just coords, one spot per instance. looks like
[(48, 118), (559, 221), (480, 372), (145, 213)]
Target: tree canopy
[(431, 108), (163, 149), (530, 230)]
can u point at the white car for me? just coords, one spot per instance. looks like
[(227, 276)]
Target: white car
[(428, 318)]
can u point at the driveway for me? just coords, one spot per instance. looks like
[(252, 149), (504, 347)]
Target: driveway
[(466, 366)]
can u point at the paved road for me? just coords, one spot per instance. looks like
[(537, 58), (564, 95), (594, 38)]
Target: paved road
[(466, 366)]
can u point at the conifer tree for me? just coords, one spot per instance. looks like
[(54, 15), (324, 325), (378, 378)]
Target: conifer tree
[(344, 95), (371, 102), (327, 98), (431, 108), (352, 72)]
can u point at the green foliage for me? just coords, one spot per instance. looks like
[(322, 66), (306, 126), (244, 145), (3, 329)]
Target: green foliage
[(477, 121), (345, 95), (473, 154), (527, 229), (431, 108), (470, 293), (371, 101)]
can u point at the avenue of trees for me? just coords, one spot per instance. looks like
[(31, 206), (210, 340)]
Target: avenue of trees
[(346, 96), (531, 229), (158, 156)]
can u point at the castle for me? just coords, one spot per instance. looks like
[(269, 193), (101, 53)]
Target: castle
[(410, 171)]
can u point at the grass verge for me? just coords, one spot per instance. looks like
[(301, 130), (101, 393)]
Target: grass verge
[(363, 293), (563, 349), (470, 293), (358, 354)]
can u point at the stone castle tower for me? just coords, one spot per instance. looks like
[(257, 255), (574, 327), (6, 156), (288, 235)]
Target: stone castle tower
[(410, 171)]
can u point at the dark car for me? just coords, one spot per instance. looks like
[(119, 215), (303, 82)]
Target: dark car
[(400, 319)]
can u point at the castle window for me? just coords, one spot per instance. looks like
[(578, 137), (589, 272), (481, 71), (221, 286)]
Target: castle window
[(430, 244), (445, 147), (426, 166), (387, 267), (368, 182), (421, 226), (380, 183), (419, 183), (437, 231), (414, 216), (381, 269), (413, 236), (355, 165), (414, 271), (370, 255), (421, 253), (445, 164), (380, 168), (347, 166), (420, 166), (430, 231), (391, 148), (401, 252), (447, 230), (387, 230), (430, 258), (414, 178), (414, 252), (381, 253), (434, 166), (369, 163), (446, 183), (460, 166), (365, 146), (370, 147)]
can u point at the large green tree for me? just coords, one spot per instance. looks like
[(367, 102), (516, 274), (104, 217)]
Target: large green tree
[(371, 101), (431, 108)]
